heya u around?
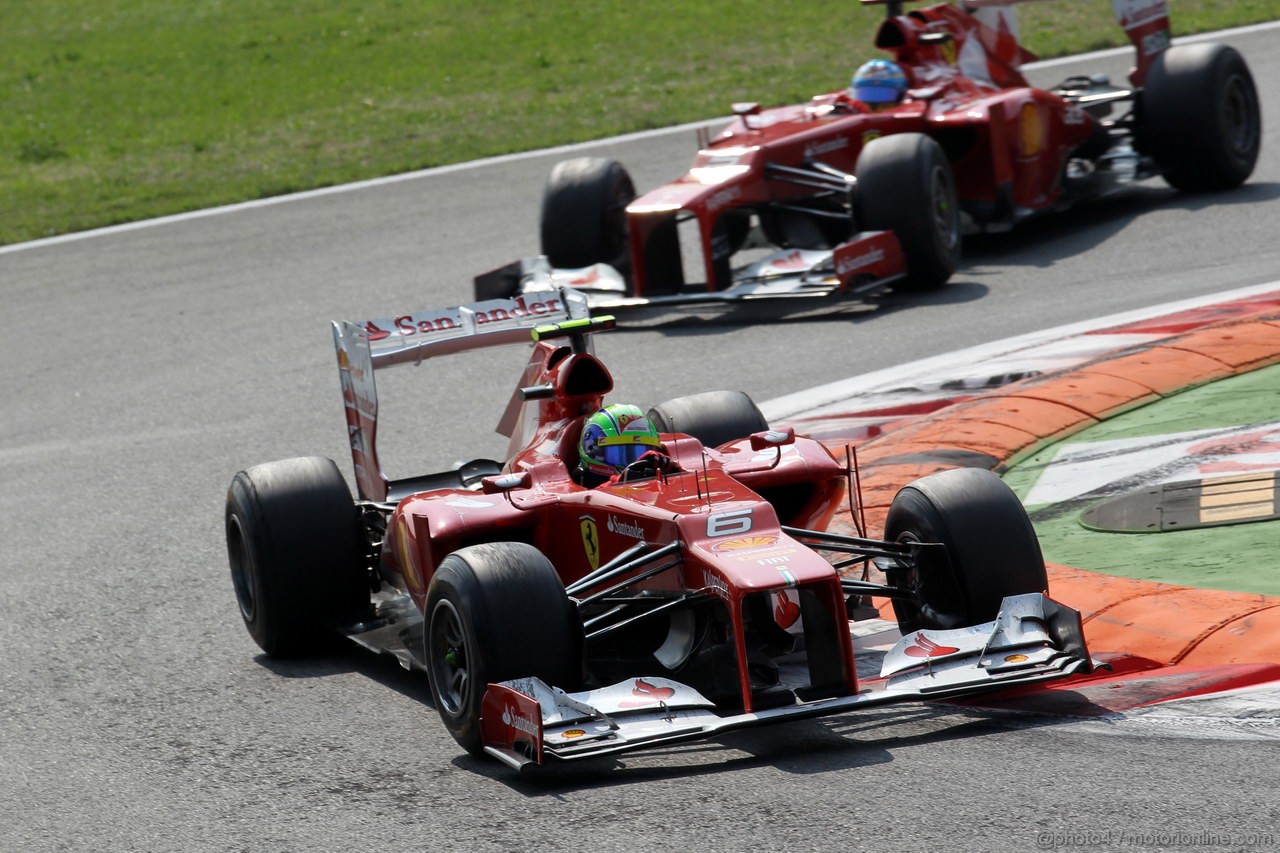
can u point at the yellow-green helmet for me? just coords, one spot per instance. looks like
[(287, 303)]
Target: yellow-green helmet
[(613, 438)]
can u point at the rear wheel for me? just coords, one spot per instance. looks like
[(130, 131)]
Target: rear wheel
[(496, 612), (990, 549), (584, 217), (712, 417), (295, 548), (1201, 120), (905, 185)]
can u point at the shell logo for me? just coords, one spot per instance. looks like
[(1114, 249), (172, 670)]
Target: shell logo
[(949, 52), (745, 543), (1032, 130)]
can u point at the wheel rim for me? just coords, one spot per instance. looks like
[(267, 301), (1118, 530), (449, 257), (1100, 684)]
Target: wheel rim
[(909, 579), (945, 222), (241, 569), (1241, 128), (448, 659)]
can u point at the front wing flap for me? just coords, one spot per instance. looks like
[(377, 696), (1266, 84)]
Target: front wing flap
[(1032, 639), (862, 266)]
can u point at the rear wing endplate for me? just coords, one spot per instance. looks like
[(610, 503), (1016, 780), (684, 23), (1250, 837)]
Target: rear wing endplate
[(1145, 22), (371, 345)]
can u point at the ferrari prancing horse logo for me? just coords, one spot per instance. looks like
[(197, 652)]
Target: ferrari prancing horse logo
[(590, 539)]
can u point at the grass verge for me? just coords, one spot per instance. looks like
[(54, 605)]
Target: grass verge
[(118, 110)]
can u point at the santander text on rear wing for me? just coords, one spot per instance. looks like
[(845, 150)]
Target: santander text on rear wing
[(367, 346)]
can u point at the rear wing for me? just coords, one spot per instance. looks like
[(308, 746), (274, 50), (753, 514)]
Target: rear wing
[(368, 346), (1145, 22)]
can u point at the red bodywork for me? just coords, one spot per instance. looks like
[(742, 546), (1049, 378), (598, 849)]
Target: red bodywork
[(732, 542), (709, 565), (1007, 141)]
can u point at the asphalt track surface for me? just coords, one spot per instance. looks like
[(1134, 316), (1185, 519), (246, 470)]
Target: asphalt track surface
[(144, 367)]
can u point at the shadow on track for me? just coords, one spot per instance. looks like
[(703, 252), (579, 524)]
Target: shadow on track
[(1043, 241), (346, 658), (701, 319), (1039, 242), (803, 747)]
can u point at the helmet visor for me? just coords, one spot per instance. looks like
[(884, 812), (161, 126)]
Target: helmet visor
[(876, 93), (621, 450)]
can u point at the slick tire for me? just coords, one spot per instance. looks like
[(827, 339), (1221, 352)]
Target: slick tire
[(905, 185), (1200, 117), (989, 549), (712, 417), (584, 218), (296, 551), (494, 612)]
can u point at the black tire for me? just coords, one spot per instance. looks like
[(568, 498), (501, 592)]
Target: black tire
[(296, 552), (584, 219), (712, 417), (495, 612), (1200, 117), (905, 185), (991, 549)]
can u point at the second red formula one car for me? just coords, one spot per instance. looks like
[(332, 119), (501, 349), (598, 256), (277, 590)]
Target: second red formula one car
[(839, 196), (691, 593)]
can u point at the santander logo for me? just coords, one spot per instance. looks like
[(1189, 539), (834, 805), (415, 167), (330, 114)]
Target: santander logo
[(650, 694), (792, 261), (625, 528), (513, 718), (923, 647), (846, 265), (502, 311)]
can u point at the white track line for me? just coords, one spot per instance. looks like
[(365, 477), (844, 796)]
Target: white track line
[(358, 185), (797, 404), (518, 156)]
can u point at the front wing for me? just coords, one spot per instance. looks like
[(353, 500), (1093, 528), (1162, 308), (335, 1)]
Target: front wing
[(1032, 639), (867, 264)]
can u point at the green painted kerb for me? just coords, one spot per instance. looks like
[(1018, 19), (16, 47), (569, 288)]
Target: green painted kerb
[(1240, 558)]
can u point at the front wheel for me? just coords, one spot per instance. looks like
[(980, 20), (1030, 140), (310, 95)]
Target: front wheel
[(990, 549), (905, 185), (496, 612), (584, 216), (1200, 117)]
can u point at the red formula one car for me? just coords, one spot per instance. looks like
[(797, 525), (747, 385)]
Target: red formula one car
[(693, 593), (836, 196)]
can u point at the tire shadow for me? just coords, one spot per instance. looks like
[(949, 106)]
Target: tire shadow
[(1039, 243), (803, 748)]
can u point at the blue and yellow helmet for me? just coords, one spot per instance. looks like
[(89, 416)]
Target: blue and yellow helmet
[(879, 82), (613, 438)]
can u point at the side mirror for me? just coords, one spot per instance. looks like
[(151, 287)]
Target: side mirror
[(773, 438), (744, 109), (505, 482), (538, 392)]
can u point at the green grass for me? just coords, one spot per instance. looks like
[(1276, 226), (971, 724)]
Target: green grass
[(116, 110)]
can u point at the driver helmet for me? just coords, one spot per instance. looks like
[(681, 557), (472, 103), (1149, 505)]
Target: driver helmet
[(879, 83), (613, 438)]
